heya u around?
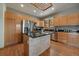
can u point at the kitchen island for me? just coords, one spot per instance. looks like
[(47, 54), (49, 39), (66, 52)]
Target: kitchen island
[(38, 44)]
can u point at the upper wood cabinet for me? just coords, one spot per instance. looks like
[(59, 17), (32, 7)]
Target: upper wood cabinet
[(41, 24), (56, 21), (63, 20), (72, 19), (60, 21)]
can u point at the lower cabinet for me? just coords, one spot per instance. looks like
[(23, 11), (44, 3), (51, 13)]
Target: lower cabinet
[(62, 37), (71, 39), (39, 45), (26, 45)]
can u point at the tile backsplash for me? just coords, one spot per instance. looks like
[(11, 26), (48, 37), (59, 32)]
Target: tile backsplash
[(68, 27)]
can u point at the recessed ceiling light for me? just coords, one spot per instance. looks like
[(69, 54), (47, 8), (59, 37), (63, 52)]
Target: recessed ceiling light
[(34, 10), (52, 8), (22, 5)]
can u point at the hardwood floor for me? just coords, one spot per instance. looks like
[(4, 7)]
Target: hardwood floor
[(60, 49), (46, 53), (13, 50), (56, 49)]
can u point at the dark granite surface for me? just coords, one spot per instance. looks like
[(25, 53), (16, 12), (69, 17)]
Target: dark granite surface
[(70, 31), (36, 36), (49, 32), (40, 35)]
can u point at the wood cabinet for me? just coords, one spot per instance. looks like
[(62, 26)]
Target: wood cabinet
[(63, 21), (12, 29), (62, 37), (60, 21), (56, 21), (26, 44), (41, 24), (73, 39), (13, 26), (72, 19)]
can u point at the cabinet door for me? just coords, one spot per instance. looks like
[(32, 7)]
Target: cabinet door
[(73, 19), (62, 37), (64, 20), (73, 39), (65, 37), (76, 19), (70, 20), (11, 29), (41, 23), (56, 21), (26, 44), (61, 21)]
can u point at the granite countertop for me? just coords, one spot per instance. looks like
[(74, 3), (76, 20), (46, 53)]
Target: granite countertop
[(36, 35), (42, 34), (68, 31)]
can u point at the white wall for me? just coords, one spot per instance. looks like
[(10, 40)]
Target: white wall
[(2, 10)]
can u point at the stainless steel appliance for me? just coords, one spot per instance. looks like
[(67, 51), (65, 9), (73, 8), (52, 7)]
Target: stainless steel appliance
[(30, 28)]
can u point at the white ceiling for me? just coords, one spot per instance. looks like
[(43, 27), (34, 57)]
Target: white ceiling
[(29, 8)]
